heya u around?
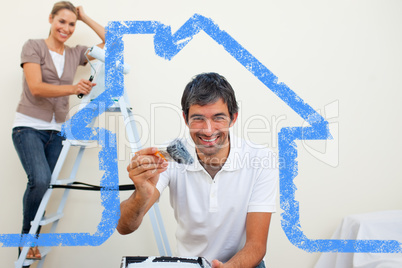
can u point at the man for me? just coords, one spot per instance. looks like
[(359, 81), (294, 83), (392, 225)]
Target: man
[(224, 200)]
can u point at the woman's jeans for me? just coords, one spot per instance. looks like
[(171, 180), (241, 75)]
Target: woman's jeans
[(38, 151)]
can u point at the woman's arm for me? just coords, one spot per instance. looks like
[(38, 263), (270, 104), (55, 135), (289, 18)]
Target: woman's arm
[(33, 76), (96, 27)]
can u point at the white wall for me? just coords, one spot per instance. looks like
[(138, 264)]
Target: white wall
[(344, 56)]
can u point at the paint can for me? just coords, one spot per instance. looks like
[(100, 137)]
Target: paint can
[(164, 262)]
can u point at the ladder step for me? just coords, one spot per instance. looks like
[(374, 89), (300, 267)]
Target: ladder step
[(64, 181), (116, 106), (114, 109), (51, 218), (43, 251), (79, 143)]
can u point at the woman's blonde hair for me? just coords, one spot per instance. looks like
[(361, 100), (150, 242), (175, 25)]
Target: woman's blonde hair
[(63, 5)]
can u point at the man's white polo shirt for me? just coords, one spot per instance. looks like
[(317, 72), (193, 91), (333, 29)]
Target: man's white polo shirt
[(211, 213)]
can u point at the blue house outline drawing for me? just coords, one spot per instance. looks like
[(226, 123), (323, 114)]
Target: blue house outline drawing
[(167, 45)]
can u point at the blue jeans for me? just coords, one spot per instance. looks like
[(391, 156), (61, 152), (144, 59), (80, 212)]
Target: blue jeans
[(38, 151)]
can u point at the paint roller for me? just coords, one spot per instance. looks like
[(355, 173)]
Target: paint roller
[(99, 54), (175, 151)]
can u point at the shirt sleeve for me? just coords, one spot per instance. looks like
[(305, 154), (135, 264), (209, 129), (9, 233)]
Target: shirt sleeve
[(163, 182), (80, 51), (30, 53), (263, 198)]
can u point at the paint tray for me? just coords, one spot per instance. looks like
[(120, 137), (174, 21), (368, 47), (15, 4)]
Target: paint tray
[(164, 262)]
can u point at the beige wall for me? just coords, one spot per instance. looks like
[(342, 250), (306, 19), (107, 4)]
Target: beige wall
[(343, 58)]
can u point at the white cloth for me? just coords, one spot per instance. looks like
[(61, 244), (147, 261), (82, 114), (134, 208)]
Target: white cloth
[(22, 120), (58, 61), (383, 225), (211, 213)]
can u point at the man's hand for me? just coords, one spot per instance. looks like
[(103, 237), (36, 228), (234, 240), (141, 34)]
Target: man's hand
[(144, 170)]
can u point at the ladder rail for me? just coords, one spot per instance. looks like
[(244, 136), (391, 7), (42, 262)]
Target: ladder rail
[(60, 161), (45, 200), (32, 231), (63, 201), (154, 212)]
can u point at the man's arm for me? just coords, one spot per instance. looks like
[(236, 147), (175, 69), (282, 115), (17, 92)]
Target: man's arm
[(257, 226), (144, 171), (133, 211)]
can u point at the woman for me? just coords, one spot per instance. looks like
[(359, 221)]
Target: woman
[(49, 68)]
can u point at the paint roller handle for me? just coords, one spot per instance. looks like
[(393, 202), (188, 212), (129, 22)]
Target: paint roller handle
[(91, 78)]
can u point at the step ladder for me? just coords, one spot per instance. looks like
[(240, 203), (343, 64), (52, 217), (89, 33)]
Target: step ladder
[(121, 105)]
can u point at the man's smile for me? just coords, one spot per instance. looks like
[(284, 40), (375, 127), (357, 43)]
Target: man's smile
[(212, 139)]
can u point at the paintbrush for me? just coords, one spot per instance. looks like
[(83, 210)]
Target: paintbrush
[(175, 151)]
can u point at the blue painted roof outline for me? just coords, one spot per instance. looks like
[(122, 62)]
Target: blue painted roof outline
[(167, 45)]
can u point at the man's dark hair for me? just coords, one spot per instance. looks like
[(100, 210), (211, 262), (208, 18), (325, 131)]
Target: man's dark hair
[(208, 88)]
